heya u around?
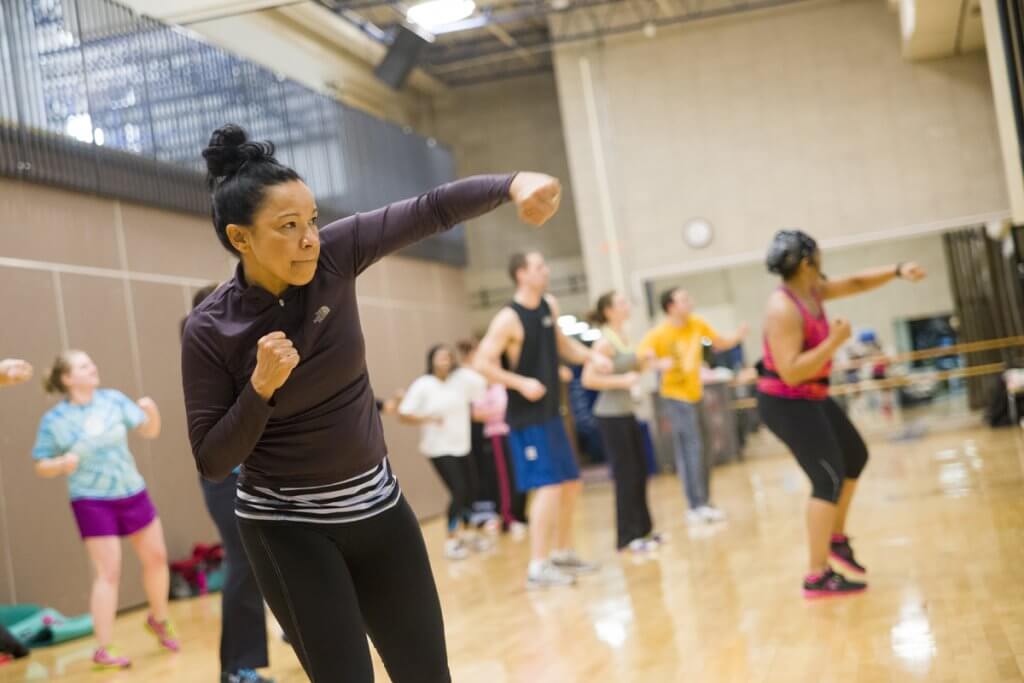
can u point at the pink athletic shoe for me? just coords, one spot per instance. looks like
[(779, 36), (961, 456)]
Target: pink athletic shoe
[(105, 658), (164, 632)]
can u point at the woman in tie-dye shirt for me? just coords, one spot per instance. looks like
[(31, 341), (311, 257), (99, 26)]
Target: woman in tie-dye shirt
[(85, 437)]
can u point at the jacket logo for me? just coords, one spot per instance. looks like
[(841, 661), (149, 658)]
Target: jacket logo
[(321, 315)]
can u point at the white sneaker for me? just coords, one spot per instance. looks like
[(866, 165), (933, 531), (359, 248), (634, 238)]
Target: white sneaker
[(547, 575), (479, 544), (711, 514), (518, 530), (455, 549), (642, 546), (695, 517), (572, 563)]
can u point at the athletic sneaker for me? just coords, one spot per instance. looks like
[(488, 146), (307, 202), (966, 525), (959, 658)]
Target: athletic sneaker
[(547, 575), (642, 546), (106, 658), (164, 632), (480, 544), (569, 561), (658, 538), (830, 584), (244, 676), (842, 554), (455, 549), (695, 517), (711, 513)]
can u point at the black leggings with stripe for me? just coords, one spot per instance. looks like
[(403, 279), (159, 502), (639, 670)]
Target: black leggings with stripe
[(331, 585), (824, 441)]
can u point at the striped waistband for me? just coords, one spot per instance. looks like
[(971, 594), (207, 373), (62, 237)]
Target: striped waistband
[(351, 500)]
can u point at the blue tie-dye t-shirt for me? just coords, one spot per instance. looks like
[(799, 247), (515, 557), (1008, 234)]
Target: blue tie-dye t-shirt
[(98, 434)]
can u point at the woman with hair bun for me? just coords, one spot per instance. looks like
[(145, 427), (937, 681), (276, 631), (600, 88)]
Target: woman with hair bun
[(85, 437), (275, 380)]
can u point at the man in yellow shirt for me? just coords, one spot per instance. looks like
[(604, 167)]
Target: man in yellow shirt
[(678, 343)]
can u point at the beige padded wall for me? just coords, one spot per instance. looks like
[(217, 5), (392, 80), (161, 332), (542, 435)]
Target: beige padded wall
[(115, 280)]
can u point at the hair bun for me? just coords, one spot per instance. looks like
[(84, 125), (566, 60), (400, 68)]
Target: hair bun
[(230, 149)]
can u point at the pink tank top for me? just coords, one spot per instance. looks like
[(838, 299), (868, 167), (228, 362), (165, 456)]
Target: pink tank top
[(815, 332)]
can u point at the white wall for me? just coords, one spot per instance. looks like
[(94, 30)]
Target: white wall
[(806, 117), (738, 294)]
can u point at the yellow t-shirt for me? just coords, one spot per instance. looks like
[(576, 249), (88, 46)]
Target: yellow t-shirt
[(685, 345)]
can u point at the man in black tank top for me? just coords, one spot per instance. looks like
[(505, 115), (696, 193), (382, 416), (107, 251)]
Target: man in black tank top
[(521, 350)]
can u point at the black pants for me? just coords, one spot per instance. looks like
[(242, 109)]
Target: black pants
[(458, 472), (624, 446), (825, 443), (331, 585), (487, 498), (243, 635), (511, 501)]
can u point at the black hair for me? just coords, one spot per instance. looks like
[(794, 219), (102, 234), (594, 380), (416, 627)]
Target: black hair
[(238, 174), (198, 298), (597, 315), (787, 251), (434, 349), (666, 298)]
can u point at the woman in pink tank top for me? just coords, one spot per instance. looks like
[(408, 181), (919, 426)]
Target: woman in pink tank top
[(793, 398)]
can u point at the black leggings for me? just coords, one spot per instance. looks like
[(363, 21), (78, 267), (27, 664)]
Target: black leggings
[(459, 474), (826, 444), (623, 442), (331, 585)]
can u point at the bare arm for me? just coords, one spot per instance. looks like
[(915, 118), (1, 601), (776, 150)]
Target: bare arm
[(600, 381), (14, 371), (55, 467), (488, 355), (572, 351), (869, 279), (784, 329), (726, 342), (150, 429)]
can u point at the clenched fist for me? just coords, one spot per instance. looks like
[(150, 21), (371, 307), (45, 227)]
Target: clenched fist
[(537, 197), (532, 389), (840, 330), (14, 371), (276, 357)]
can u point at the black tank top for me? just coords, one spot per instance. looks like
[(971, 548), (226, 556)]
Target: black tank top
[(538, 359)]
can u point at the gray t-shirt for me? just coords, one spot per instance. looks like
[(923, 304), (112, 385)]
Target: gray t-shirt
[(617, 402)]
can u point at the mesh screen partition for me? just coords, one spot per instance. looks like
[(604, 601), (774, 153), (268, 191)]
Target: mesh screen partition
[(96, 98)]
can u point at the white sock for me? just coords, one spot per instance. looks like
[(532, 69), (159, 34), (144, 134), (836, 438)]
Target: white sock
[(562, 555), (536, 566)]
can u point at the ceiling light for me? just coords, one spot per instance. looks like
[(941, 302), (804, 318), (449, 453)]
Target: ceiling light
[(435, 13)]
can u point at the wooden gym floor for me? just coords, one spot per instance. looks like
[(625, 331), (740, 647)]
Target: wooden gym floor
[(939, 522)]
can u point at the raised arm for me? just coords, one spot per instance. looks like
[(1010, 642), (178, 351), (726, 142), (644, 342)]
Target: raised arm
[(150, 429), (224, 427), (355, 243), (730, 341), (572, 351), (14, 371), (869, 279), (784, 329)]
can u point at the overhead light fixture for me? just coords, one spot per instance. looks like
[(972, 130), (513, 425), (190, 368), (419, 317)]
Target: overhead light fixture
[(435, 13)]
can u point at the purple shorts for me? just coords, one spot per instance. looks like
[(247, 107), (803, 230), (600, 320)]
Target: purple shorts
[(115, 516)]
